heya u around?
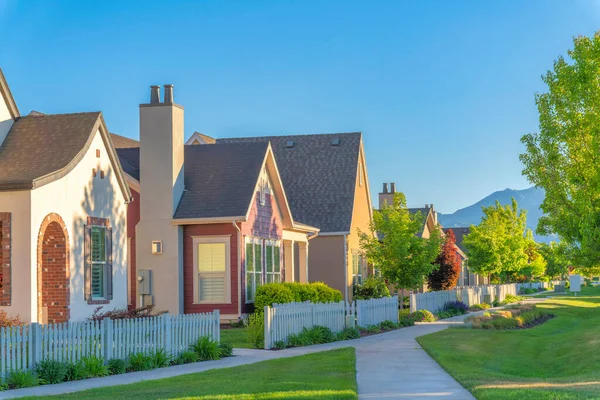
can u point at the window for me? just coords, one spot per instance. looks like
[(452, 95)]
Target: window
[(98, 251), (254, 267), (272, 262), (357, 264), (212, 270)]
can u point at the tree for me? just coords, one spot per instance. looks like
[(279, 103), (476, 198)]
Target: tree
[(564, 157), (557, 256), (447, 264), (403, 257), (536, 263), (497, 245)]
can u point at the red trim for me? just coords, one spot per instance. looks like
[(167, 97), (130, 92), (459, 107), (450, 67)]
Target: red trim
[(5, 256)]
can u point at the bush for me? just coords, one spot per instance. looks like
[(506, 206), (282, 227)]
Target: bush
[(20, 378), (280, 293), (302, 292), (141, 312), (7, 322), (511, 299), (371, 288), (527, 291), (272, 293), (297, 341), (116, 366), (206, 348), (326, 294), (159, 358), (225, 350), (387, 325), (479, 307), (422, 316), (256, 330), (280, 345), (348, 334), (371, 329), (75, 371), (513, 318), (51, 371), (457, 307), (186, 357), (94, 366), (139, 362), (309, 336)]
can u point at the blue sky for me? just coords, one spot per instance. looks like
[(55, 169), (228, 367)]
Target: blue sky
[(442, 90)]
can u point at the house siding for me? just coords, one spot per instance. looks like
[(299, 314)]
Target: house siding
[(189, 231), (133, 217)]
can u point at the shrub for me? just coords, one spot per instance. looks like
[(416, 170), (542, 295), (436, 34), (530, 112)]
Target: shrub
[(51, 371), (225, 350), (272, 293), (116, 366), (7, 322), (422, 316), (206, 348), (371, 288), (511, 299), (348, 334), (297, 341), (159, 358), (479, 307), (76, 371), (326, 294), (302, 292), (141, 312), (256, 330), (94, 366), (318, 335), (186, 357), (387, 325), (527, 291), (280, 344), (139, 362), (20, 378), (457, 307)]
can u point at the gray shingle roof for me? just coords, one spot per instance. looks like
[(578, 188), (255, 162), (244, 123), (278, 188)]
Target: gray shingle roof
[(319, 179), (122, 142), (220, 179), (41, 148)]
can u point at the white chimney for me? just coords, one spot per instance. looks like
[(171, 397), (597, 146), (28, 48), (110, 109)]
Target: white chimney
[(161, 188)]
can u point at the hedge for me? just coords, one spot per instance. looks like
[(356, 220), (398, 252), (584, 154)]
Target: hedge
[(279, 293)]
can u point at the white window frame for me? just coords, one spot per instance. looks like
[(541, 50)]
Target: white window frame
[(196, 240), (254, 241), (272, 244), (98, 263)]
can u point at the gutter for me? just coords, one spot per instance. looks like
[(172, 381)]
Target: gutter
[(239, 262)]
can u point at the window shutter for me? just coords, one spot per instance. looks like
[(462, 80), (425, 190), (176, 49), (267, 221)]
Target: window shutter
[(109, 264), (87, 260)]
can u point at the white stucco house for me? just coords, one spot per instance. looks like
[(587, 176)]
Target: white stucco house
[(63, 215)]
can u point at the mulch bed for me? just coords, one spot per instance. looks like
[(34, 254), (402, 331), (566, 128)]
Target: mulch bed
[(537, 322)]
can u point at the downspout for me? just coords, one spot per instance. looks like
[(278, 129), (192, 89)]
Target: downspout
[(346, 299), (239, 269)]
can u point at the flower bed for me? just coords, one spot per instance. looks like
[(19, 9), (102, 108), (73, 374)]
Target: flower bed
[(515, 317)]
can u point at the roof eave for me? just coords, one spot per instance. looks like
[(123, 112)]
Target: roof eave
[(208, 220), (8, 97)]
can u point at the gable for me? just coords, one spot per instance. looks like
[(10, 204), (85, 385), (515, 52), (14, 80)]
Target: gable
[(8, 108)]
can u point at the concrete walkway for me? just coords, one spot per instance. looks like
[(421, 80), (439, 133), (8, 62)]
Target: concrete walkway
[(389, 365)]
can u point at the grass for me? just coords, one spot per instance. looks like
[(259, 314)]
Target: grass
[(237, 337), (557, 360), (325, 375)]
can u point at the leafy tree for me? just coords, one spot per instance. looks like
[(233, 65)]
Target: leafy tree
[(557, 258), (403, 257), (497, 245), (564, 157), (448, 265), (536, 263)]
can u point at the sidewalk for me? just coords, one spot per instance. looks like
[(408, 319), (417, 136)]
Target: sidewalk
[(389, 365)]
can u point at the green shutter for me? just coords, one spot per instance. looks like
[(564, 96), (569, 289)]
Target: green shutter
[(109, 264)]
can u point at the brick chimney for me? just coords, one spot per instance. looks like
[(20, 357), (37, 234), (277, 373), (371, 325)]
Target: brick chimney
[(161, 188)]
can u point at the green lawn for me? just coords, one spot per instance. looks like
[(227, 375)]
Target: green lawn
[(325, 375), (557, 360), (237, 337)]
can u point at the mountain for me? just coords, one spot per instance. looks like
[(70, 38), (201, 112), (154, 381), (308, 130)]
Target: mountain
[(528, 199)]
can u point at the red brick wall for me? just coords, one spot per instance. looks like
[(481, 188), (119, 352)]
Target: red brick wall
[(133, 217), (263, 222), (188, 267), (53, 271), (5, 249)]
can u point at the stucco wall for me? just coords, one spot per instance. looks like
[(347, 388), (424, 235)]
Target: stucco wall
[(326, 261), (75, 197), (23, 300)]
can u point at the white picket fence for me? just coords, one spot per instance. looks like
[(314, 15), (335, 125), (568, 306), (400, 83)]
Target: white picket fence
[(23, 347), (283, 320), (434, 301)]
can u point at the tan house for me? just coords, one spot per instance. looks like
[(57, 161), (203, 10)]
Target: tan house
[(467, 278), (327, 186)]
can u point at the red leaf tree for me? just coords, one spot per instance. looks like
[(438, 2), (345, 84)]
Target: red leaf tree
[(447, 272)]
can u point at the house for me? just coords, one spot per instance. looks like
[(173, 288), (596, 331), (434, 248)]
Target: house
[(326, 182), (467, 278), (207, 224), (63, 209)]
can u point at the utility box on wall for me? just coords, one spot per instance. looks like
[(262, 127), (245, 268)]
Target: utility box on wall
[(144, 278)]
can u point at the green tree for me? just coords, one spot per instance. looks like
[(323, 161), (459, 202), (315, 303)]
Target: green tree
[(536, 263), (497, 245), (557, 256), (403, 257), (564, 157)]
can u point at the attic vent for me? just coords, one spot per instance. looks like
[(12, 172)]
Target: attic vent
[(289, 144), (335, 142)]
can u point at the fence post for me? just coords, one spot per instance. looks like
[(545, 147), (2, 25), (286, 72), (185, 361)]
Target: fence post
[(36, 344), (217, 325), (350, 319), (108, 339), (167, 332), (413, 302), (267, 327)]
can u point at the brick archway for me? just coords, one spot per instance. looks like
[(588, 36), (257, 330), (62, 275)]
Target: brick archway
[(53, 275)]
